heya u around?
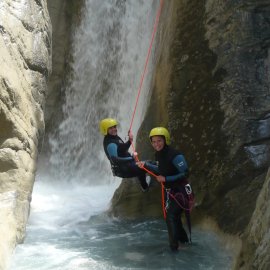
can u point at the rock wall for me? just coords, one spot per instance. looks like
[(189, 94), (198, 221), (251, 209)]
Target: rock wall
[(64, 14), (211, 89), (256, 239), (27, 45), (25, 57)]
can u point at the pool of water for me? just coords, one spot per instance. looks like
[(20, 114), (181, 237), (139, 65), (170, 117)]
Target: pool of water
[(68, 229)]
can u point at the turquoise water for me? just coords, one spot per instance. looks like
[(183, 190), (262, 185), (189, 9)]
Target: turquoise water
[(68, 229), (103, 243)]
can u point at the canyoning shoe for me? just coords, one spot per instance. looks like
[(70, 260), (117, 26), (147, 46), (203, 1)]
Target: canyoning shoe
[(148, 180), (144, 186), (183, 238)]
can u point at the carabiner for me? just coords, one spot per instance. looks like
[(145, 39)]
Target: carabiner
[(188, 189)]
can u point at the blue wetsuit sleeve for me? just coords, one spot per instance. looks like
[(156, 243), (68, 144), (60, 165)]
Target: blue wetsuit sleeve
[(151, 167), (112, 151), (181, 165)]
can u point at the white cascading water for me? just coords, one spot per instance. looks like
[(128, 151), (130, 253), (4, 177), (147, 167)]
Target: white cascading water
[(67, 229), (109, 52)]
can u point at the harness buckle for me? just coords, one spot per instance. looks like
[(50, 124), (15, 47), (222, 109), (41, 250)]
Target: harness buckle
[(188, 189)]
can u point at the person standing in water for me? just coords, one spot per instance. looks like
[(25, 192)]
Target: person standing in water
[(122, 163), (172, 173)]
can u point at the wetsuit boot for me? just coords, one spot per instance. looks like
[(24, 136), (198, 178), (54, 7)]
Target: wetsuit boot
[(181, 233), (143, 182)]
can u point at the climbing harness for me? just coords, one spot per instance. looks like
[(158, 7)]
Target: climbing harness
[(188, 189)]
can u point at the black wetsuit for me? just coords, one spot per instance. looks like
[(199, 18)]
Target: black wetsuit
[(176, 178), (123, 164)]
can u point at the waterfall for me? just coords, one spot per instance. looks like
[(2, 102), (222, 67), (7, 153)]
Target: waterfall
[(109, 51)]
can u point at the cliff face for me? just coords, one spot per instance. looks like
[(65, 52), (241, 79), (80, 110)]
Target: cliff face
[(64, 15), (240, 39), (211, 89), (256, 239), (25, 51)]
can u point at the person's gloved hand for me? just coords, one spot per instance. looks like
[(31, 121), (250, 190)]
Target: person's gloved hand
[(161, 179), (140, 164), (130, 136), (135, 156)]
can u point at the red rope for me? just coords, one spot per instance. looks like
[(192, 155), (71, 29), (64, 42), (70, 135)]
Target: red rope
[(163, 201), (142, 79), (190, 201), (138, 96), (161, 184), (146, 62)]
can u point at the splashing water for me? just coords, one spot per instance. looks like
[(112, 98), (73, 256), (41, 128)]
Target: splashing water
[(77, 234)]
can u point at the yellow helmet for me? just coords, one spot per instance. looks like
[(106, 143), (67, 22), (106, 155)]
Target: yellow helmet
[(161, 131), (105, 124)]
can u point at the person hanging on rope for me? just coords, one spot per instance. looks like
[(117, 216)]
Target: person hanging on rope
[(122, 163), (172, 172)]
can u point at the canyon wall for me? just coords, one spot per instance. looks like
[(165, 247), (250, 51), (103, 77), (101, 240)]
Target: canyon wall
[(35, 43), (25, 56)]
